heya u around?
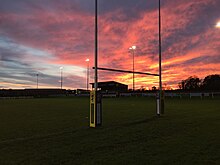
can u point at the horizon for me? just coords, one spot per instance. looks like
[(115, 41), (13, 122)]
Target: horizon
[(39, 37), (164, 88)]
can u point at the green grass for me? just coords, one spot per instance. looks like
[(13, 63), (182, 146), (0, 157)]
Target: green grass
[(55, 131)]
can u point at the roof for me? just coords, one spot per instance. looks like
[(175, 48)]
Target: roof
[(108, 82)]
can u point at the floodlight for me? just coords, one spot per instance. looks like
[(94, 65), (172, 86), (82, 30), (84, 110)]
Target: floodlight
[(134, 47), (218, 24)]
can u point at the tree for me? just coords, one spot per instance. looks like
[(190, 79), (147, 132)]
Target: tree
[(191, 83), (211, 82), (142, 89), (182, 84)]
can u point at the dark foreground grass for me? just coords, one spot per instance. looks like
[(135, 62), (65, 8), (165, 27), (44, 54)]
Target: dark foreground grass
[(55, 131)]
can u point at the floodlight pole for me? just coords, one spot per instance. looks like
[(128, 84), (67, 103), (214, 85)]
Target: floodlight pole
[(133, 70), (133, 49), (160, 60), (61, 77), (37, 80), (87, 79)]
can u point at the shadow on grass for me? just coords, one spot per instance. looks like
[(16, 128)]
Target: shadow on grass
[(61, 133), (37, 137), (152, 119)]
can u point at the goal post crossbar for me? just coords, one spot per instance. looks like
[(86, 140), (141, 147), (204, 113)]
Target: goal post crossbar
[(125, 71)]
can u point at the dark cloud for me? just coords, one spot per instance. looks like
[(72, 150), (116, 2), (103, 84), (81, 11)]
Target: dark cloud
[(204, 60), (131, 7), (198, 61), (29, 77), (11, 59), (200, 16)]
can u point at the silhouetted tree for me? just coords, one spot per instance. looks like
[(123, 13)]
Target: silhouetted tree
[(142, 88), (211, 82), (182, 84), (191, 83)]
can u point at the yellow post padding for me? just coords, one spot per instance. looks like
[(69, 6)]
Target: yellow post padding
[(92, 109)]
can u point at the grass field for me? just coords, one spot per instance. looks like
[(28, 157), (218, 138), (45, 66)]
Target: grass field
[(55, 131)]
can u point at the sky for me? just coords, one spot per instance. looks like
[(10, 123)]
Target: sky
[(37, 37)]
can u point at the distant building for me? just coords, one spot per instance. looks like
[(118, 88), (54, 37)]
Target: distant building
[(32, 92), (111, 86)]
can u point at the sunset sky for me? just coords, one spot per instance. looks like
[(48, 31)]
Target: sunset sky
[(40, 36)]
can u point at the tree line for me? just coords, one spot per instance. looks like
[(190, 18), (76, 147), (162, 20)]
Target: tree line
[(193, 83)]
